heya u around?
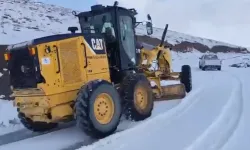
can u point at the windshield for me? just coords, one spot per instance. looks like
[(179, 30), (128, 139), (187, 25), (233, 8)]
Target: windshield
[(94, 24), (211, 57)]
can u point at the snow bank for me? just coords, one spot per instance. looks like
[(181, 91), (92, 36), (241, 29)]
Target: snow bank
[(9, 121)]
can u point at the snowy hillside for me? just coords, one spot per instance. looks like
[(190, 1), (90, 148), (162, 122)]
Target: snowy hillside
[(33, 19), (174, 37), (23, 20)]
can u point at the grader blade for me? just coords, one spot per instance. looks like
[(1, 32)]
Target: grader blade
[(171, 92), (175, 74)]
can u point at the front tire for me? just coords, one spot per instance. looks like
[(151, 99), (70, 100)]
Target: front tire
[(186, 77), (35, 126), (98, 109), (138, 100)]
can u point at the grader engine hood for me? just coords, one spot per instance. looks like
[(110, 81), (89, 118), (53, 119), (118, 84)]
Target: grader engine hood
[(23, 66)]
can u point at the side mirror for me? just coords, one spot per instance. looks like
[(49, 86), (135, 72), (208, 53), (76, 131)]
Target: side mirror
[(73, 29), (74, 13), (149, 27), (149, 17), (116, 3)]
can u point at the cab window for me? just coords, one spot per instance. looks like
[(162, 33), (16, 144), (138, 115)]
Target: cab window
[(127, 36)]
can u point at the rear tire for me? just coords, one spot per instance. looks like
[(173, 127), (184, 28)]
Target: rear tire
[(219, 68), (35, 126), (98, 118), (204, 68), (138, 100), (186, 77)]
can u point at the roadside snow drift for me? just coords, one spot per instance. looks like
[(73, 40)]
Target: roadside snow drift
[(9, 121)]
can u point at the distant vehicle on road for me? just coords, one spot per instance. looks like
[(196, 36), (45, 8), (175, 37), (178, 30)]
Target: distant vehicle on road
[(210, 61), (244, 63)]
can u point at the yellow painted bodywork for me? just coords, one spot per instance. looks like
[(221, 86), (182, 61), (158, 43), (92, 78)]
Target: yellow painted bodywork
[(104, 108), (52, 101), (163, 72)]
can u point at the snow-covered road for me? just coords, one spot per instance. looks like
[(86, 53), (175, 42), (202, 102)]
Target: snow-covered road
[(213, 116), (73, 137), (241, 136), (183, 125)]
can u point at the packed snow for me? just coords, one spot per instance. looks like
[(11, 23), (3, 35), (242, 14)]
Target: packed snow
[(9, 121), (213, 116), (206, 119), (178, 124)]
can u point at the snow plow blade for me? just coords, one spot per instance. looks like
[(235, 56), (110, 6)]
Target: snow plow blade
[(172, 92)]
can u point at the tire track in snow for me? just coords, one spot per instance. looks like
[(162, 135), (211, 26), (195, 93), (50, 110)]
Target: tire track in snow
[(72, 138), (223, 127), (240, 138), (175, 131), (26, 134), (181, 107), (87, 141), (177, 111)]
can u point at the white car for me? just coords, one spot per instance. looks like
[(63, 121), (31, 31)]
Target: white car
[(210, 61)]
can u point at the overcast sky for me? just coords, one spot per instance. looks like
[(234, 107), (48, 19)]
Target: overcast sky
[(223, 20)]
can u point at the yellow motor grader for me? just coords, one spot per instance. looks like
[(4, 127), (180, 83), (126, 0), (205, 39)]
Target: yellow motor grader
[(156, 64), (91, 77)]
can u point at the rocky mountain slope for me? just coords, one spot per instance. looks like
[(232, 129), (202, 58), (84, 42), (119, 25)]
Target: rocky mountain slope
[(23, 20)]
